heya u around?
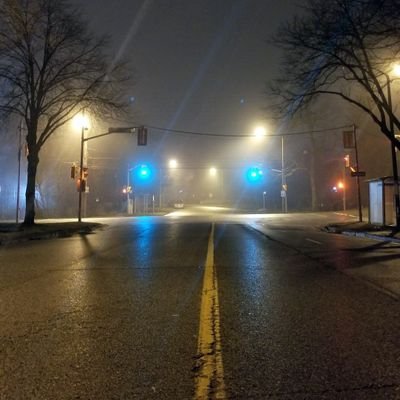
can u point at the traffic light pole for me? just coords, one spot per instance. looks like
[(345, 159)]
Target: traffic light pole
[(81, 175), (83, 140), (360, 217)]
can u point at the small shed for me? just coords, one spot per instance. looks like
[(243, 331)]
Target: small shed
[(381, 201)]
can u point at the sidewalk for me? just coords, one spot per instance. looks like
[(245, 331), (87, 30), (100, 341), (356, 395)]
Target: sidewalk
[(382, 274), (362, 229)]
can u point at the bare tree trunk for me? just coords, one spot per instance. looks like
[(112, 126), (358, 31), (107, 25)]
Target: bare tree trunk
[(33, 161)]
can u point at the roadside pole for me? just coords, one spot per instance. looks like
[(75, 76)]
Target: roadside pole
[(360, 217), (350, 142)]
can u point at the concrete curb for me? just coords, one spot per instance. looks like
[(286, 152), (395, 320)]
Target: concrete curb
[(58, 233)]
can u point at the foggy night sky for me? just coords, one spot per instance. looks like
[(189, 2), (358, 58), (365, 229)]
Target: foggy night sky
[(198, 65)]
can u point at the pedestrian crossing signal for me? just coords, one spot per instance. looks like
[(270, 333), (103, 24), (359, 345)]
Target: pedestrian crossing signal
[(73, 171)]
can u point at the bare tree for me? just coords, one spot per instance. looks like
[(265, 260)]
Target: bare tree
[(51, 68), (343, 48)]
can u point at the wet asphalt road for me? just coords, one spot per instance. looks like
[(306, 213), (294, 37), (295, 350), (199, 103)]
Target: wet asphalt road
[(115, 315)]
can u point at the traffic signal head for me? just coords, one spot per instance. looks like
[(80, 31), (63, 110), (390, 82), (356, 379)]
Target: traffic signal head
[(73, 171), (254, 174), (144, 173), (142, 136)]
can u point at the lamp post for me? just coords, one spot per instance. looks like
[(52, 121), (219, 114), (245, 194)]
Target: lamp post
[(129, 206), (283, 179), (344, 189), (264, 200), (393, 150), (82, 122)]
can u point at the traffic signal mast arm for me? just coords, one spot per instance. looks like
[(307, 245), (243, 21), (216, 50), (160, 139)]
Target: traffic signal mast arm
[(130, 129)]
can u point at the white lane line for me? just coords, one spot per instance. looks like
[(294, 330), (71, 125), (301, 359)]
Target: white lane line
[(313, 241)]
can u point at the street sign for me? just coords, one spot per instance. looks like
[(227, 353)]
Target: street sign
[(357, 173), (124, 129)]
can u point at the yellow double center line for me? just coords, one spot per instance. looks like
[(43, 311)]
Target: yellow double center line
[(209, 379)]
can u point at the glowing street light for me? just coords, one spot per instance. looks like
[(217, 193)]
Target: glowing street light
[(173, 164), (396, 70), (259, 133), (81, 121), (213, 171)]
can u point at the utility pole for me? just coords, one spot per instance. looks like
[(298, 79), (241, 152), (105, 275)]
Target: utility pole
[(111, 130), (283, 177), (360, 217), (344, 189), (81, 172)]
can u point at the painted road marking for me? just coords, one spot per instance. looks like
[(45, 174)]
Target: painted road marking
[(209, 380), (313, 241), (346, 215)]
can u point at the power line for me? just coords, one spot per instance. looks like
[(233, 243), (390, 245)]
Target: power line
[(238, 136)]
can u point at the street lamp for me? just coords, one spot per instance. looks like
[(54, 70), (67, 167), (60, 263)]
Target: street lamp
[(172, 163), (396, 70), (81, 121), (264, 200), (259, 132)]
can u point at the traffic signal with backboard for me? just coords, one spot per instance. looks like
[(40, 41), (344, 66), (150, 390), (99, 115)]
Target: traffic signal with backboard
[(254, 175), (73, 171), (143, 172), (142, 136)]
